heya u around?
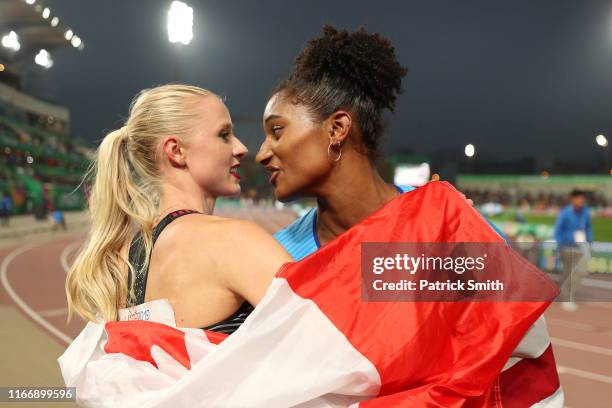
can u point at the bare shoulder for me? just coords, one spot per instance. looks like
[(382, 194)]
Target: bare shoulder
[(235, 254), (250, 257), (217, 233), (246, 237), (241, 229), (179, 233)]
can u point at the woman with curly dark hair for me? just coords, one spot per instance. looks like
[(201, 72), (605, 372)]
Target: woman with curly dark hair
[(323, 127)]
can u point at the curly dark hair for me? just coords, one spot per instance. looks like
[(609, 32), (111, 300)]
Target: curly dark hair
[(357, 71)]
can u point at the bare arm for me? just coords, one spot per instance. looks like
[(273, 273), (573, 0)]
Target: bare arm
[(253, 259), (238, 255)]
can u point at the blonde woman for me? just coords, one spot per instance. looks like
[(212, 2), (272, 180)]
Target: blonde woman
[(153, 234)]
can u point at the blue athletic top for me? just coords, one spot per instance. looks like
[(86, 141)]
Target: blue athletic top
[(300, 237)]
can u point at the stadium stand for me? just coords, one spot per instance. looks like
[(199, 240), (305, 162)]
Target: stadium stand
[(41, 165)]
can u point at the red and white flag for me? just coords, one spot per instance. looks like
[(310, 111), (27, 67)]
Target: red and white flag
[(313, 342)]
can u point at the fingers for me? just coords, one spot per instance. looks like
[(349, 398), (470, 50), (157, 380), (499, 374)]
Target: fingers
[(469, 200)]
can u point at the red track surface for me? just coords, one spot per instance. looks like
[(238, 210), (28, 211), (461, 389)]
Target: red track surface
[(33, 280)]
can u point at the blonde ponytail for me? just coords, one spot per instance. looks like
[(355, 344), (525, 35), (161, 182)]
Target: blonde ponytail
[(124, 198)]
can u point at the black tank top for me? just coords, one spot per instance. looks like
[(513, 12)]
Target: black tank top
[(137, 257)]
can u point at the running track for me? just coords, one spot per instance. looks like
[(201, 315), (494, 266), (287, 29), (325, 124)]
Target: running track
[(32, 278)]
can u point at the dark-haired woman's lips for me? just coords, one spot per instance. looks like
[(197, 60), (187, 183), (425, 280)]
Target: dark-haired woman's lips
[(273, 177)]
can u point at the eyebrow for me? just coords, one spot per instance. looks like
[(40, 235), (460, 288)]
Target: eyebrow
[(271, 117), (227, 125)]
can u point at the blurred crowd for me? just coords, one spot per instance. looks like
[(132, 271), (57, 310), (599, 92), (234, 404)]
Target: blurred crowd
[(45, 156), (38, 168), (538, 201)]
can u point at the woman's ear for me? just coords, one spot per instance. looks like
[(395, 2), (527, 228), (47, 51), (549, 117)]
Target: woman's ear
[(173, 150), (340, 123)]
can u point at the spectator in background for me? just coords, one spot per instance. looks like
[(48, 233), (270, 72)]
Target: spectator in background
[(59, 222), (573, 233), (6, 206)]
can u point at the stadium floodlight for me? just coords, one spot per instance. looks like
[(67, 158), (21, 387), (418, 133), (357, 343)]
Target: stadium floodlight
[(54, 21), (180, 23), (601, 140), (11, 40), (68, 34), (43, 58), (470, 150), (76, 41), (46, 13), (30, 1)]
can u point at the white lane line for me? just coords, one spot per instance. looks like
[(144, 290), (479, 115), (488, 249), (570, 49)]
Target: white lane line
[(593, 283), (64, 255), (579, 326), (584, 374), (603, 305), (66, 267), (596, 283), (20, 303), (570, 324), (581, 346), (53, 312)]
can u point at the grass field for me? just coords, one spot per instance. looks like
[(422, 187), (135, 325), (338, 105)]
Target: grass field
[(602, 227)]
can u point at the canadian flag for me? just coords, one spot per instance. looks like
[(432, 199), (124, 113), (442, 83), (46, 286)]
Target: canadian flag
[(313, 342)]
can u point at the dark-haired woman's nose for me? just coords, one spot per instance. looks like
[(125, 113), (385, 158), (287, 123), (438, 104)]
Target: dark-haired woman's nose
[(264, 154)]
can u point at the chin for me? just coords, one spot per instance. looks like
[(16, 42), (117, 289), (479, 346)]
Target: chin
[(234, 192), (285, 196), (230, 191)]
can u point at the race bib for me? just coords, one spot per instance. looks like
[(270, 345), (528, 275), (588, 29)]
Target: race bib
[(159, 311), (579, 236)]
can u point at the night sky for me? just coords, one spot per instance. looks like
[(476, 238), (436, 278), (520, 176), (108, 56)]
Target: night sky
[(517, 79)]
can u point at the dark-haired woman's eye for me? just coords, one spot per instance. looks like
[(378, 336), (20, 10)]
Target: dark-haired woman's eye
[(225, 135), (276, 131)]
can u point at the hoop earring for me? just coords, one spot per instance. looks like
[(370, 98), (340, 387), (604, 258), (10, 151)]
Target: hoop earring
[(329, 154)]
